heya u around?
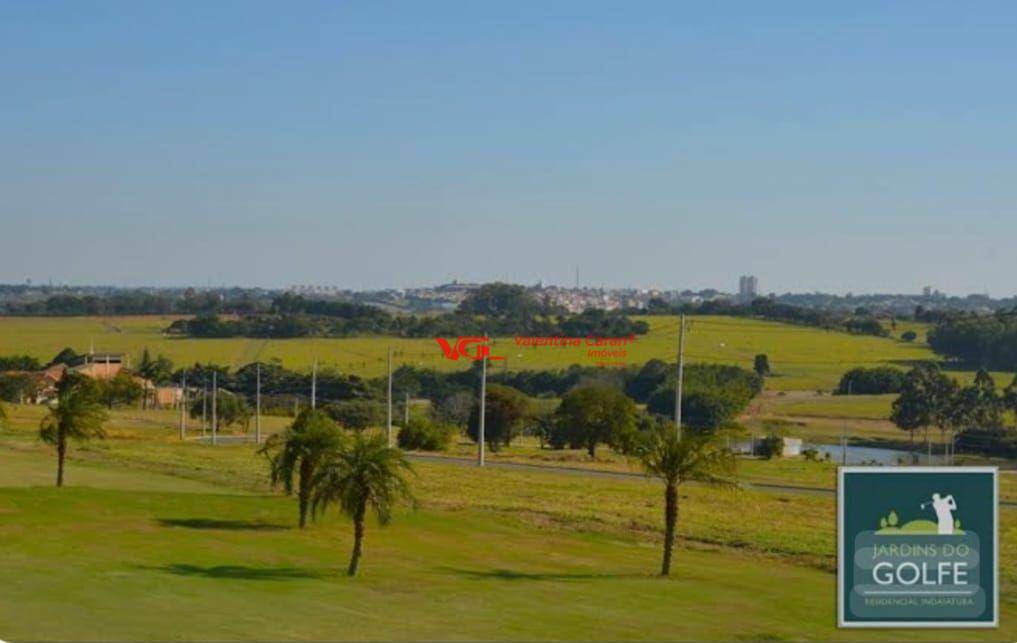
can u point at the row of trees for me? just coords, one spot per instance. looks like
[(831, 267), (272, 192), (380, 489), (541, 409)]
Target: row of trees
[(988, 341), (138, 302), (929, 399), (862, 322), (878, 380)]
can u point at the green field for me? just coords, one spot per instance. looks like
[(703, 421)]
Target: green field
[(158, 539), (802, 358)]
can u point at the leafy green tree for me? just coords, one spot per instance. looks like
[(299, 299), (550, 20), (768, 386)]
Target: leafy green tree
[(67, 356), (455, 408), (425, 434), (501, 300), (356, 414), (365, 473), (879, 380), (15, 387), (676, 460), (158, 370), (19, 363), (1009, 399), (230, 409), (593, 415), (299, 451), (703, 409), (926, 400), (504, 411), (979, 403), (121, 389), (650, 377), (77, 414), (761, 365)]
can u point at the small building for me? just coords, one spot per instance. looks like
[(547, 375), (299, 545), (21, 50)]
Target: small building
[(101, 366), (753, 446), (165, 397)]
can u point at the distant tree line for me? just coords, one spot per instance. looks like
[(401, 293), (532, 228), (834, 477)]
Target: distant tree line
[(493, 309), (986, 341), (880, 380), (861, 322), (139, 302)]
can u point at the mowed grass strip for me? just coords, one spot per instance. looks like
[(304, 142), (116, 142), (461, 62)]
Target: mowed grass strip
[(802, 358)]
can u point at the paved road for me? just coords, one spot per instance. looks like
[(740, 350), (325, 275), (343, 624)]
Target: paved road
[(600, 473)]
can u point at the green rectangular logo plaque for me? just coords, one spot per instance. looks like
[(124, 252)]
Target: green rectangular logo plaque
[(917, 547)]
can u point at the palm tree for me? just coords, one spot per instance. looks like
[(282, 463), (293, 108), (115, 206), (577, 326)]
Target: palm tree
[(77, 414), (299, 451), (675, 460), (364, 473)]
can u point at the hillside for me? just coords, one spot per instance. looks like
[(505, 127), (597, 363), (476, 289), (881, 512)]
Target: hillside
[(802, 358)]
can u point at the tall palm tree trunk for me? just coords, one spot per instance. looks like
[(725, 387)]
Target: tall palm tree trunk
[(61, 454), (358, 538), (304, 492), (670, 523)]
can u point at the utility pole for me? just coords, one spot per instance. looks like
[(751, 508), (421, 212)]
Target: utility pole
[(389, 433), (183, 404), (257, 403), (215, 415), (843, 435), (681, 374), (314, 384), (480, 427), (204, 404)]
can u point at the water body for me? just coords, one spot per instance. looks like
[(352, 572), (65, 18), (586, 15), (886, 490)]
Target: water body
[(872, 455)]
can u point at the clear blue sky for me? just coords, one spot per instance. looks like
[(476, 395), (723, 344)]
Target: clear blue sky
[(848, 146)]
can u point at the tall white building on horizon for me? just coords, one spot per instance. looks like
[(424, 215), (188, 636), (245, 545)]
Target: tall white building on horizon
[(748, 287)]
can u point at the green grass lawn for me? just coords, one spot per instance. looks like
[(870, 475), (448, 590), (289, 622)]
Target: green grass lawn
[(802, 358), (161, 539), (862, 407)]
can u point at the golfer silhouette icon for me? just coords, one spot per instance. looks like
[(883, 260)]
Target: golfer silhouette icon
[(944, 506)]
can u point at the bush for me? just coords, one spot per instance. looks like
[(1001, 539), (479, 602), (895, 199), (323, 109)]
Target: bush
[(871, 381), (1000, 442), (357, 414), (422, 434), (909, 336), (772, 446)]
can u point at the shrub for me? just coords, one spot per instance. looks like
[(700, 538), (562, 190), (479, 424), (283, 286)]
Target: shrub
[(909, 336), (422, 434), (772, 446), (356, 414), (871, 381)]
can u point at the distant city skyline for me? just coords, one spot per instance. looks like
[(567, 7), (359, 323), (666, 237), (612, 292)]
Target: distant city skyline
[(745, 287), (852, 147)]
